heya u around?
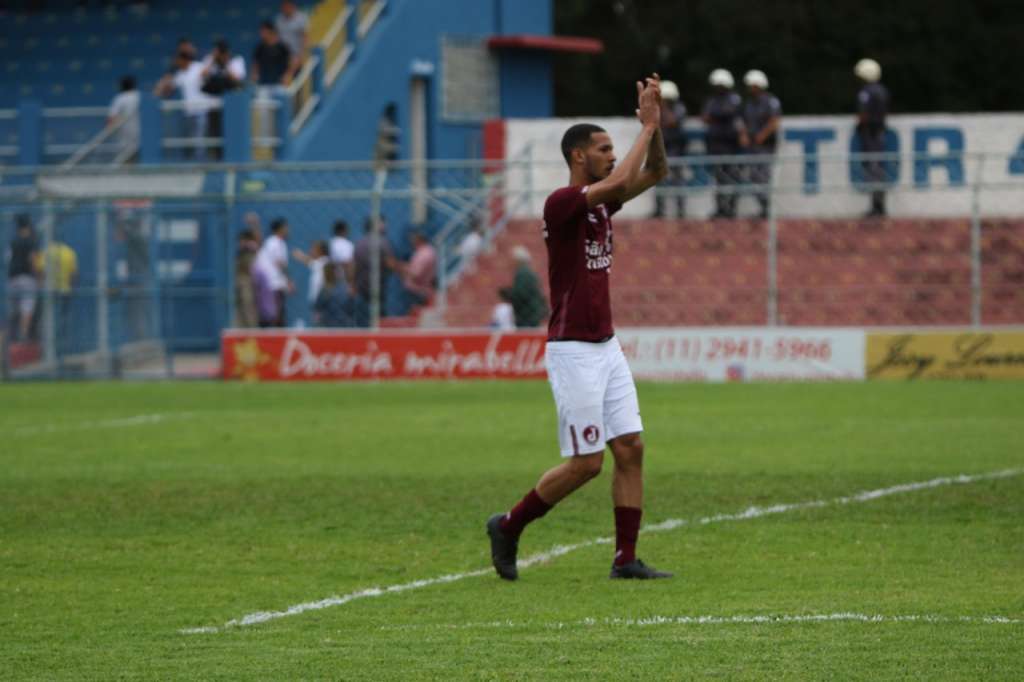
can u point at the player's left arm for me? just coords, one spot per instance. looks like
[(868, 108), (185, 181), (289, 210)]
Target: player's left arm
[(654, 170)]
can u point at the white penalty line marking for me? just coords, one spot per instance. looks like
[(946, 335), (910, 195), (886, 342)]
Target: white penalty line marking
[(561, 550), (116, 423), (775, 619)]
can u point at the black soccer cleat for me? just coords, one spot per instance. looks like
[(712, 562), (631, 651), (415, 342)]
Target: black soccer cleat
[(638, 570), (503, 549)]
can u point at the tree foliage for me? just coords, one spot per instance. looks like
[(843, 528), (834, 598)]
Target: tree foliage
[(936, 55)]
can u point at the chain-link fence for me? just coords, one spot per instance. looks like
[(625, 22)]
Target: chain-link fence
[(135, 273)]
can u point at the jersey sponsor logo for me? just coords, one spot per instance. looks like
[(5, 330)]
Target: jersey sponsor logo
[(599, 254), (591, 434)]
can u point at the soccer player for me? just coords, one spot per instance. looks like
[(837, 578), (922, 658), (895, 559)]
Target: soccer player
[(591, 382)]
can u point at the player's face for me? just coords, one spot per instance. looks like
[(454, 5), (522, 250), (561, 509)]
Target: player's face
[(599, 157)]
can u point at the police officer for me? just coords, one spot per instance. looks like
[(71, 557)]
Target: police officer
[(726, 136), (673, 116), (872, 106), (762, 114)]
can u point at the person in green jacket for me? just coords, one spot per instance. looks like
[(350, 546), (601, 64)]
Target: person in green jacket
[(531, 310)]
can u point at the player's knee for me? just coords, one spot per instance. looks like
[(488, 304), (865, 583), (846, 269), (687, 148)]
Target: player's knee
[(629, 451), (587, 467)]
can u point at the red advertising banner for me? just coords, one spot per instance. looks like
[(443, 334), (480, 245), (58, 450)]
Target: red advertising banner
[(302, 355)]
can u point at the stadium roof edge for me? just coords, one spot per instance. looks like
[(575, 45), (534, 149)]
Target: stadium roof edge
[(525, 41)]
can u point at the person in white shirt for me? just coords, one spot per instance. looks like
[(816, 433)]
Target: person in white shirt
[(472, 244), (187, 79), (503, 318), (124, 113), (316, 260), (292, 24), (272, 260), (342, 251), (222, 72)]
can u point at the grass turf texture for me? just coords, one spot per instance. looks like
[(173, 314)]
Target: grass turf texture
[(114, 535)]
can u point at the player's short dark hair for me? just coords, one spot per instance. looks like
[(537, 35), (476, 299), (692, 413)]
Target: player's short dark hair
[(340, 228), (578, 136), (278, 225), (222, 46), (269, 25), (127, 83)]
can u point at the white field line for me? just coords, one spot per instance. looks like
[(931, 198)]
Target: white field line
[(775, 619), (116, 423), (561, 550)]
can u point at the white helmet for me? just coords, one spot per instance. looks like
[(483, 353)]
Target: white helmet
[(721, 78), (868, 70), (669, 90), (756, 79)]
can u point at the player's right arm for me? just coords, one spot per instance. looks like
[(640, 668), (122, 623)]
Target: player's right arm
[(618, 186)]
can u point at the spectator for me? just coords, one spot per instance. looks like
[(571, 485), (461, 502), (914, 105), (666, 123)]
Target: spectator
[(271, 61), (267, 308), (187, 79), (58, 265), (726, 135), (762, 115), (420, 273), (272, 71), (527, 298), (503, 318), (133, 232), (374, 238), (333, 305), (472, 244), (673, 118), (22, 286), (388, 132), (252, 223), (291, 24), (186, 46), (272, 264), (341, 250), (246, 313), (222, 73), (872, 107), (124, 113), (316, 261)]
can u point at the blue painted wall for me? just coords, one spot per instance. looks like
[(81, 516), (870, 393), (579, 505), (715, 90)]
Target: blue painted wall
[(410, 31)]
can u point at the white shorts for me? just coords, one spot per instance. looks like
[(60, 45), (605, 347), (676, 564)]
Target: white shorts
[(22, 289), (594, 394)]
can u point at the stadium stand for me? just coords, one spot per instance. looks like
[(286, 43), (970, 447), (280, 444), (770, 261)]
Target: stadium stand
[(891, 272), (73, 56)]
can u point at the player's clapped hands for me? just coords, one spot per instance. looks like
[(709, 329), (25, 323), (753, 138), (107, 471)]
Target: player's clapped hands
[(649, 101)]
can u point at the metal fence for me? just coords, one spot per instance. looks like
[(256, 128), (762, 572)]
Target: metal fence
[(156, 249)]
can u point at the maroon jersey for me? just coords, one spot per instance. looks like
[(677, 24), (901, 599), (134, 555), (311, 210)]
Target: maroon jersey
[(579, 241)]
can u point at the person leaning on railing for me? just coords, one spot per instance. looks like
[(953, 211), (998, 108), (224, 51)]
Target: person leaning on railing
[(222, 73), (186, 76)]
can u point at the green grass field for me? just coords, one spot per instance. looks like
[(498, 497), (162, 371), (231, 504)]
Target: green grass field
[(129, 512)]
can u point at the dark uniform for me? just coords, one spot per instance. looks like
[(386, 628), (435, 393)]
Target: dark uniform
[(873, 105), (722, 113), (758, 112), (673, 116)]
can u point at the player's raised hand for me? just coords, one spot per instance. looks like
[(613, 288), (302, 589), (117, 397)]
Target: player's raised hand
[(648, 95)]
